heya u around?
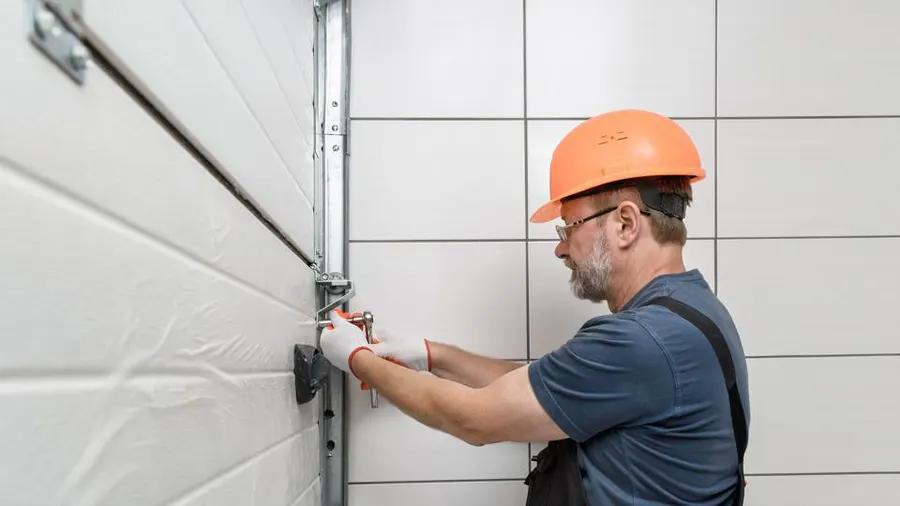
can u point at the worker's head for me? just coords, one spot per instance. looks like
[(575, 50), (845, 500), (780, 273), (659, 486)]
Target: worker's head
[(611, 230), (623, 180)]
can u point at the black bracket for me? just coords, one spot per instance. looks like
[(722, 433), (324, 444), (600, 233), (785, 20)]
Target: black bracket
[(311, 370)]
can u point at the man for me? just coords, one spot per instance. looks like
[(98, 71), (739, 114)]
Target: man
[(641, 390)]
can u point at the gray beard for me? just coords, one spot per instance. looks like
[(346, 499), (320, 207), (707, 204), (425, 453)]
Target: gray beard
[(590, 279)]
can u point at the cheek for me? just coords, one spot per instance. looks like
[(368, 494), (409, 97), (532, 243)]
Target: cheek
[(580, 248)]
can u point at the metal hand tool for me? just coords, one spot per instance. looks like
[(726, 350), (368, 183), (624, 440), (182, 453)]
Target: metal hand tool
[(367, 322)]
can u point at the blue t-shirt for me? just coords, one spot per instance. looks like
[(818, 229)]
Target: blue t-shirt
[(642, 393)]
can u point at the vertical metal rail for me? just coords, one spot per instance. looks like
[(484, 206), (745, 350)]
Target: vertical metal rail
[(334, 42)]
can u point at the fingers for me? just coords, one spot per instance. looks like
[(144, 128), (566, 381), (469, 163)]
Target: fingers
[(382, 335), (339, 318)]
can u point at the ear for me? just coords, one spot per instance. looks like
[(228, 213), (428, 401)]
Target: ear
[(628, 224)]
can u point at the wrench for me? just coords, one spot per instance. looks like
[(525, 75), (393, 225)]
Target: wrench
[(367, 322)]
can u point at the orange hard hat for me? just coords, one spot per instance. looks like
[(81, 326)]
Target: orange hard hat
[(614, 147)]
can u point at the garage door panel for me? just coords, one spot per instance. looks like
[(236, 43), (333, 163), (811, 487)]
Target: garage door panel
[(109, 152), (161, 45), (232, 37), (277, 476), (83, 291), (286, 31), (140, 440)]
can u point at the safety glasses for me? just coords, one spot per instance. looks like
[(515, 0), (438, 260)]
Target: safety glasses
[(563, 231)]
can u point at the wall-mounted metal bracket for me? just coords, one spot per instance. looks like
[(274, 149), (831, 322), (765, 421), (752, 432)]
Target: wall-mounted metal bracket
[(55, 27)]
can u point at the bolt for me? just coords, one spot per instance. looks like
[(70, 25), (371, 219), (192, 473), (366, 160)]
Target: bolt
[(335, 148), (334, 128), (44, 22), (79, 56), (334, 104)]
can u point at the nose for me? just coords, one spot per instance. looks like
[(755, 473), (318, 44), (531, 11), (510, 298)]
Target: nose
[(562, 250)]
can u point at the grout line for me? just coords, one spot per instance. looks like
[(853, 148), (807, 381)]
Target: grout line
[(411, 482), (847, 116), (508, 118), (714, 238), (824, 355), (716, 148), (393, 241), (404, 241), (427, 118), (502, 480), (770, 238), (128, 230), (525, 165), (582, 118), (529, 457), (833, 473), (527, 302)]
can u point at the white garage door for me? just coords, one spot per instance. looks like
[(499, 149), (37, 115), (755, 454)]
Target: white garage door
[(147, 316)]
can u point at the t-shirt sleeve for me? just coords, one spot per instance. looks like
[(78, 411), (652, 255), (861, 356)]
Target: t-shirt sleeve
[(612, 373)]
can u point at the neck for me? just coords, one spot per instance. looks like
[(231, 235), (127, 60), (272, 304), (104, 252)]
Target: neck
[(636, 274)]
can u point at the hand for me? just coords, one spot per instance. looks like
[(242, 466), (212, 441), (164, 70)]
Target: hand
[(412, 353), (342, 341)]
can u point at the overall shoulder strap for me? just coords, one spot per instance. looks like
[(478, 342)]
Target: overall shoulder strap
[(717, 341)]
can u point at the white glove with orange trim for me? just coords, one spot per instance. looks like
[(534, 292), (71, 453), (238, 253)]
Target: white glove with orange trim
[(342, 341), (412, 353)]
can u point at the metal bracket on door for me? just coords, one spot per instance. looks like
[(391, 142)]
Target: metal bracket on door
[(335, 284), (55, 27)]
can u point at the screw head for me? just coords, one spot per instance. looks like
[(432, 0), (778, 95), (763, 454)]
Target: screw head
[(79, 56), (45, 22), (334, 128), (334, 104), (335, 148)]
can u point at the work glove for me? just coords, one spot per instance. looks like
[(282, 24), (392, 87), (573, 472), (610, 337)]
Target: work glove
[(342, 341), (412, 353)]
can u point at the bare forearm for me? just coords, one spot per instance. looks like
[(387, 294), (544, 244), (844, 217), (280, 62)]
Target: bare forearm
[(455, 364)]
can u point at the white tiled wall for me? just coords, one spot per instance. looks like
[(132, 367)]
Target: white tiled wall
[(795, 225), (808, 58), (437, 59), (449, 158)]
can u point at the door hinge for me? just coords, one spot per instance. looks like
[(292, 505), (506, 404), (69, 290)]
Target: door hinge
[(55, 27)]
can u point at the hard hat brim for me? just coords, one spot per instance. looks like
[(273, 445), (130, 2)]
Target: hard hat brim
[(553, 208), (547, 212)]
